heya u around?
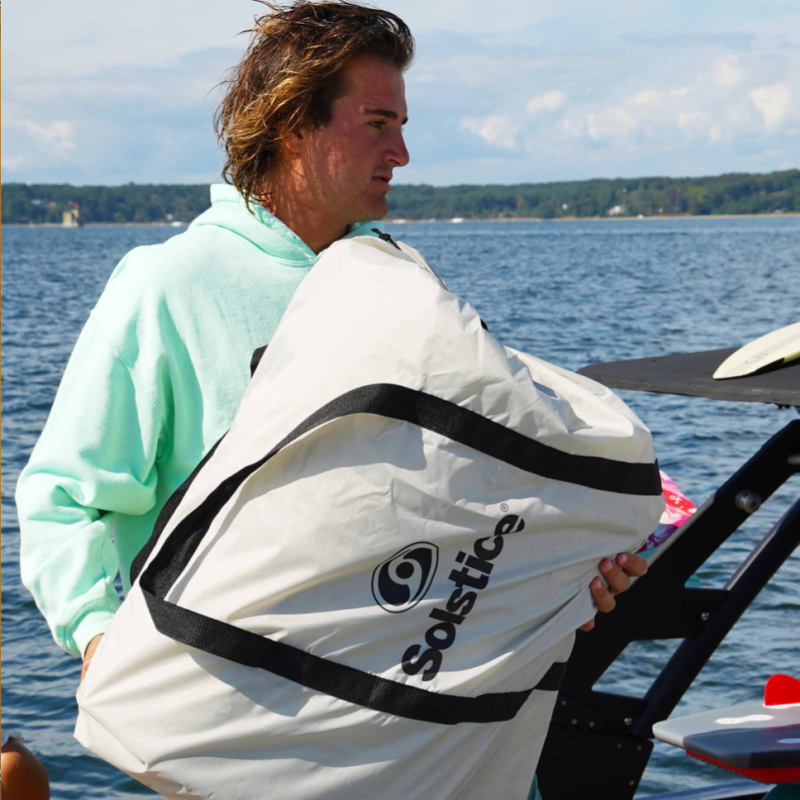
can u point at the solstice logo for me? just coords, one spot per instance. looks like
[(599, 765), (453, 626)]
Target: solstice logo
[(400, 582), (468, 585)]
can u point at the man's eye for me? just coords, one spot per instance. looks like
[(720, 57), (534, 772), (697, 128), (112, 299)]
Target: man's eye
[(377, 123)]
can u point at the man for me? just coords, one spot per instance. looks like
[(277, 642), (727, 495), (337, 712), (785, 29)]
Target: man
[(312, 129)]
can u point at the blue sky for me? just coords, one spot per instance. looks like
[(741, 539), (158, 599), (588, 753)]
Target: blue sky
[(101, 91)]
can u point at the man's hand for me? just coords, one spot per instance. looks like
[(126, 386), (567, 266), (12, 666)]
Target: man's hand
[(618, 573), (87, 656)]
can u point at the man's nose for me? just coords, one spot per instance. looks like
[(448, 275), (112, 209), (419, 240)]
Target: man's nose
[(397, 153)]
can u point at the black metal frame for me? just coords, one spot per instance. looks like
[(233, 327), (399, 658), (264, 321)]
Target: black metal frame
[(602, 741)]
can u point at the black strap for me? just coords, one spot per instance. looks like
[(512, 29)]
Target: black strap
[(385, 236), (338, 680), (333, 678), (553, 678), (255, 359)]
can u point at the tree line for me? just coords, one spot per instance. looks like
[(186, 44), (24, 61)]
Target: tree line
[(626, 197)]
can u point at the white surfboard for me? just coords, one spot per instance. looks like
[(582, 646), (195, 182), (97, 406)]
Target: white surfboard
[(778, 347)]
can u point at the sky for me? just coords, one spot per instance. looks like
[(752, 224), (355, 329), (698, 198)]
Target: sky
[(107, 92)]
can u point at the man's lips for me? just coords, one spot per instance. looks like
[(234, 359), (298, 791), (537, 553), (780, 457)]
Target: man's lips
[(382, 179)]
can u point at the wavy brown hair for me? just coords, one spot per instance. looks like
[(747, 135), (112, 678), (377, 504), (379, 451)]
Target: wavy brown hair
[(290, 75)]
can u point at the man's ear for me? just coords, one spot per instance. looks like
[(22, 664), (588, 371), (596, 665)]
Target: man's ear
[(293, 141)]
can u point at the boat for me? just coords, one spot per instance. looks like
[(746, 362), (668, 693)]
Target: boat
[(610, 736)]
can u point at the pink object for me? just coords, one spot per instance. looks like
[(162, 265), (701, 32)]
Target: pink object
[(679, 509)]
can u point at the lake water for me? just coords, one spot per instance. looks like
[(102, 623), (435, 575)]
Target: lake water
[(572, 293)]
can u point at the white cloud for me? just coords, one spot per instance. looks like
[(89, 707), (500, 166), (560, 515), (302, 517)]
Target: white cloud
[(549, 101), (547, 88), (13, 162), (513, 17), (727, 73), (609, 124), (773, 103), (58, 136), (648, 97), (693, 119), (699, 125), (574, 127), (655, 97), (494, 129), (135, 36)]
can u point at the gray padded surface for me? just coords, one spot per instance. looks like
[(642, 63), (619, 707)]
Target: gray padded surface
[(690, 374), (745, 736)]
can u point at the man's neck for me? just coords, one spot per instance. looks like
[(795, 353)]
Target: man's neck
[(298, 211), (316, 231)]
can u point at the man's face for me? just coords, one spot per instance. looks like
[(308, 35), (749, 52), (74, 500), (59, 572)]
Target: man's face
[(348, 163)]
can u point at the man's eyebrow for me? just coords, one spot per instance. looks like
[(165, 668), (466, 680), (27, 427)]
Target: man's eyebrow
[(384, 112)]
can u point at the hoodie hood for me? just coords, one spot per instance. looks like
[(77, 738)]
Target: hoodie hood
[(264, 230)]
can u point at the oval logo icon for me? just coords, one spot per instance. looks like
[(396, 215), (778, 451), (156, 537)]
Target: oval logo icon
[(400, 582)]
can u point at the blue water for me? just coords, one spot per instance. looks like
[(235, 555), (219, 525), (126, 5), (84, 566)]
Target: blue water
[(570, 292)]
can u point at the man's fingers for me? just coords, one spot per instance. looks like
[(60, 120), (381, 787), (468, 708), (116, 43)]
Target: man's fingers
[(635, 566), (92, 646), (618, 581), (618, 573), (602, 597), (87, 656), (587, 626)]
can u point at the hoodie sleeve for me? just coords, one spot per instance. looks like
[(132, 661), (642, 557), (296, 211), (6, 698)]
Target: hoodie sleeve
[(96, 458)]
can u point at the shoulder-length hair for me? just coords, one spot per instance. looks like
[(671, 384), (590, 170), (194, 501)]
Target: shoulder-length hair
[(290, 75)]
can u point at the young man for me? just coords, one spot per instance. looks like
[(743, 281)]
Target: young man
[(158, 372), (312, 129)]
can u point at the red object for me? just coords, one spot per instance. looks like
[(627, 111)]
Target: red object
[(781, 690), (765, 775), (680, 502)]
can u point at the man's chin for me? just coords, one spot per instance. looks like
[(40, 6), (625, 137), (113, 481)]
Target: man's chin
[(381, 209), (377, 209)]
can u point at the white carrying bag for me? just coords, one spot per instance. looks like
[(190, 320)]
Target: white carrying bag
[(368, 590)]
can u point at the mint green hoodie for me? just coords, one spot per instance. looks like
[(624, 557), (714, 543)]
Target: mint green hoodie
[(153, 382)]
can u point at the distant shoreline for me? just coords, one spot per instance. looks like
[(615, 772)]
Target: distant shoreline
[(637, 218), (731, 194), (770, 215), (605, 219)]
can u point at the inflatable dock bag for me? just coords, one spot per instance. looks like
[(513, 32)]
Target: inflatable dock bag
[(369, 589)]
